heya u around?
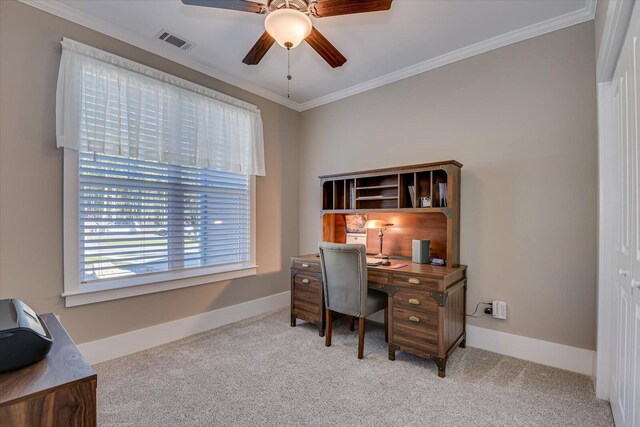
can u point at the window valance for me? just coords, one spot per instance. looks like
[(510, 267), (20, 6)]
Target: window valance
[(109, 105)]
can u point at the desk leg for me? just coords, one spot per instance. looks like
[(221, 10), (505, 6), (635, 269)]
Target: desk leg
[(293, 320), (386, 325), (441, 363), (392, 352)]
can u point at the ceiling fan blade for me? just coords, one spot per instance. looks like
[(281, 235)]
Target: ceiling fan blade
[(259, 50), (325, 49), (323, 8), (241, 5)]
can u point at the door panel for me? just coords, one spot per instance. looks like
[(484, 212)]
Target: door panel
[(633, 391), (634, 398), (617, 386), (625, 357), (621, 374), (625, 165)]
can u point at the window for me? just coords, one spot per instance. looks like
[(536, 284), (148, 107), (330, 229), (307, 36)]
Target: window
[(159, 179), (139, 217)]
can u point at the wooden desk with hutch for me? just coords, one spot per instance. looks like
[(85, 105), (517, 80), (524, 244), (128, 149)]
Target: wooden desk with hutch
[(427, 304)]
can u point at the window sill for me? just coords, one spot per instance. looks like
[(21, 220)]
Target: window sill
[(90, 296)]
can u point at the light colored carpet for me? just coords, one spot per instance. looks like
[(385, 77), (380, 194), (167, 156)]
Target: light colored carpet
[(262, 372)]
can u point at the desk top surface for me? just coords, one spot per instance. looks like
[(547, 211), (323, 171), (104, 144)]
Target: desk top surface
[(411, 267), (63, 365)]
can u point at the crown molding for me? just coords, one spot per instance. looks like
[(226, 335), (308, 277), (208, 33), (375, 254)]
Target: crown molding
[(577, 17), (59, 9), (590, 7), (63, 11), (616, 23)]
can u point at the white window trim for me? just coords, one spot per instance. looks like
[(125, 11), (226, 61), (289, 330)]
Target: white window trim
[(106, 290)]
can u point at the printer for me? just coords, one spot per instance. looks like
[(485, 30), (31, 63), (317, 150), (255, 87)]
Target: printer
[(24, 337)]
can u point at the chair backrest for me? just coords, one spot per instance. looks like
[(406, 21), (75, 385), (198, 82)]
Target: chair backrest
[(344, 274)]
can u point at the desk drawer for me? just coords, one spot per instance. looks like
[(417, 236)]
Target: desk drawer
[(305, 283), (415, 329), (306, 293), (306, 311), (302, 266), (378, 277), (307, 298), (407, 341), (414, 281), (415, 300)]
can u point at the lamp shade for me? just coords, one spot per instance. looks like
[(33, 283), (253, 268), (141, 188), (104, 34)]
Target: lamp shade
[(288, 26), (377, 224)]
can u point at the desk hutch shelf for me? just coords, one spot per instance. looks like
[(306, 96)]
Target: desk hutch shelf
[(387, 194)]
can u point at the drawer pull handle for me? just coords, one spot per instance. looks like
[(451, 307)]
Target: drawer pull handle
[(414, 301), (414, 281), (306, 281), (305, 265), (414, 319)]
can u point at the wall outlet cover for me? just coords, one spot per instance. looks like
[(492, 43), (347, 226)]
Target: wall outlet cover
[(499, 309)]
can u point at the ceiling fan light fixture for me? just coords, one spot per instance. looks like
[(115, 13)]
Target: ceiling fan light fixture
[(289, 27)]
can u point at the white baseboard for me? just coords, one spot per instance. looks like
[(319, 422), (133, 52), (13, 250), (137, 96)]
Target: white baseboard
[(544, 352), (120, 345)]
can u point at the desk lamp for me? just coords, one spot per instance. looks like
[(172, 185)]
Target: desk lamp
[(380, 226)]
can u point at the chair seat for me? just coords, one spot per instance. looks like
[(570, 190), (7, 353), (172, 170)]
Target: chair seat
[(376, 301)]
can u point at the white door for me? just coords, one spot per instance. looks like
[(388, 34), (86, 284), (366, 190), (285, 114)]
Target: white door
[(633, 412), (619, 358), (625, 369)]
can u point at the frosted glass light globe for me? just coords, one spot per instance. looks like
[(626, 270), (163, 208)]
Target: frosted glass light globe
[(288, 26)]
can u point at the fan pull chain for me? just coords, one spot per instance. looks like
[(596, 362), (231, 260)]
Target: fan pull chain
[(288, 72)]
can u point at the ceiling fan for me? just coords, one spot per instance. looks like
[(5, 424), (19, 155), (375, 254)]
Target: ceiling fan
[(288, 22)]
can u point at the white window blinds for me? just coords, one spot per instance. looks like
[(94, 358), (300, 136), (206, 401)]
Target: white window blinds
[(112, 106), (138, 217)]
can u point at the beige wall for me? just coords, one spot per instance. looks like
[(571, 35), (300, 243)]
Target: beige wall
[(522, 120), (31, 185)]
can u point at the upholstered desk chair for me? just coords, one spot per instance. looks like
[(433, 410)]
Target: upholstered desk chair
[(344, 274)]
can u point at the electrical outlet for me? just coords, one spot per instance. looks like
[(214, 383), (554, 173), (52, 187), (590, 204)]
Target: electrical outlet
[(499, 309)]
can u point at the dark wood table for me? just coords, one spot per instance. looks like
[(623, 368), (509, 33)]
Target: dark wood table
[(59, 390)]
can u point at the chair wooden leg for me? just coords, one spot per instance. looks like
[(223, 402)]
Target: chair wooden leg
[(360, 337), (327, 338), (386, 325), (351, 323)]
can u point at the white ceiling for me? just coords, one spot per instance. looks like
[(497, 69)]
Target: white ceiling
[(414, 36)]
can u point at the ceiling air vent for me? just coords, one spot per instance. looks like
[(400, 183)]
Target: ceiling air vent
[(174, 40)]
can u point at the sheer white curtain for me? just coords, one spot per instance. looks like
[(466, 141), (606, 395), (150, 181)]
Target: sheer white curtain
[(110, 105)]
